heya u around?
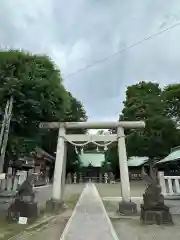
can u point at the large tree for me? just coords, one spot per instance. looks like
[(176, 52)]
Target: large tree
[(144, 102), (35, 84)]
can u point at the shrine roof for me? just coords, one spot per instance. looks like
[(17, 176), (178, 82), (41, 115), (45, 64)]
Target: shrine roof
[(94, 159), (137, 161), (173, 156)]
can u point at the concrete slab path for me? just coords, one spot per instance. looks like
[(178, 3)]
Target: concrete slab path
[(89, 219)]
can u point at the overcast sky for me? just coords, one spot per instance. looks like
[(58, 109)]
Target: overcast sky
[(76, 33)]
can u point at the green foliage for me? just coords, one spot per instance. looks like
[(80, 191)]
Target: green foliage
[(36, 86), (146, 101), (159, 136), (143, 100), (74, 113), (171, 99), (111, 157)]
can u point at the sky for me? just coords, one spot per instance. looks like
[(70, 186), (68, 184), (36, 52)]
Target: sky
[(76, 33)]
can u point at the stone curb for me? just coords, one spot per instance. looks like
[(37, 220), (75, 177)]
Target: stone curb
[(41, 222)]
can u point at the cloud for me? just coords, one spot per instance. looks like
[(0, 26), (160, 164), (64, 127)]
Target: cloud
[(78, 33)]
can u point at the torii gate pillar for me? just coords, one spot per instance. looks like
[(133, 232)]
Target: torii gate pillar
[(54, 204)]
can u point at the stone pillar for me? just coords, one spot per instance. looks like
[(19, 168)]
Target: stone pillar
[(105, 178), (162, 182), (55, 203), (126, 206), (80, 178), (64, 172), (75, 178)]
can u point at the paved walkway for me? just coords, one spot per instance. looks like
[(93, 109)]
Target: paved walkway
[(89, 219)]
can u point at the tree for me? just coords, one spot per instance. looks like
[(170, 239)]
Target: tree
[(144, 102), (171, 99), (38, 94), (74, 113), (35, 84)]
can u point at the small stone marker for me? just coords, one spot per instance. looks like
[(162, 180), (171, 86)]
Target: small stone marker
[(69, 178), (80, 178), (75, 177), (100, 177), (112, 177)]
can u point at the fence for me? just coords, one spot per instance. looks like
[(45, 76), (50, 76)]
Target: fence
[(170, 185), (11, 183)]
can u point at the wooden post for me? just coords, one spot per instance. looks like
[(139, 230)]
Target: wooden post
[(6, 133)]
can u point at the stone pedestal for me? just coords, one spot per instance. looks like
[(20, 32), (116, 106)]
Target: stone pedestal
[(127, 208), (156, 216), (54, 206), (23, 209), (153, 210)]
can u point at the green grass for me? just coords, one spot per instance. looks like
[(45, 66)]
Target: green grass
[(72, 201), (7, 230)]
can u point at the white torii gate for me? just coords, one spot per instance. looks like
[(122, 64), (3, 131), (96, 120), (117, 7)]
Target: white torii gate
[(59, 171)]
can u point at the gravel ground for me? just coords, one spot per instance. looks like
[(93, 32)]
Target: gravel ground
[(132, 229), (114, 190)]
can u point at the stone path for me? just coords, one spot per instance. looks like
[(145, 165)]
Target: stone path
[(89, 219)]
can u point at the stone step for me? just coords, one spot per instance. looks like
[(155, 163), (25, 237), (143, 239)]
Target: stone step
[(89, 219)]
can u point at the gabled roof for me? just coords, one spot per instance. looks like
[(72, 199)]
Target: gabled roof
[(173, 156), (94, 159), (137, 161)]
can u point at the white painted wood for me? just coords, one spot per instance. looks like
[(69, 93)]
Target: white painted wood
[(177, 185), (94, 125), (170, 186), (57, 181), (124, 173), (162, 182), (173, 177), (90, 138)]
